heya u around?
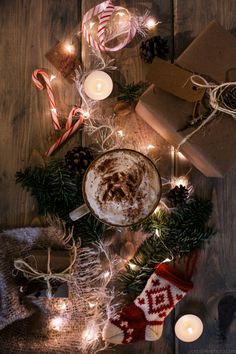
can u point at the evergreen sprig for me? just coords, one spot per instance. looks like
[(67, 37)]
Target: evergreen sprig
[(58, 192), (180, 232), (131, 92)]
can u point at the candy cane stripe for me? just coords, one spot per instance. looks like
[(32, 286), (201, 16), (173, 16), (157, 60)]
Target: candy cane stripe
[(48, 87)]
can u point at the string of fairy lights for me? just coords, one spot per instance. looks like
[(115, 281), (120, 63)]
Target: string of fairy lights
[(93, 86)]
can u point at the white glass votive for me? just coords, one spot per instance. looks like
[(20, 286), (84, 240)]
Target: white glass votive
[(98, 85), (188, 328)]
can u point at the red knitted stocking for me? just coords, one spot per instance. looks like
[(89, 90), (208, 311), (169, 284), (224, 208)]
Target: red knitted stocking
[(143, 319)]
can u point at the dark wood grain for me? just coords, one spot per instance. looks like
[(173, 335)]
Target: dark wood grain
[(215, 272), (28, 30)]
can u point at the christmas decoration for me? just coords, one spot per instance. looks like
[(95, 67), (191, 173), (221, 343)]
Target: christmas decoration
[(70, 128), (172, 234), (143, 319), (48, 266), (108, 29), (188, 328), (98, 85), (154, 47), (77, 160), (51, 99), (104, 264), (177, 195), (128, 97), (64, 56), (168, 112)]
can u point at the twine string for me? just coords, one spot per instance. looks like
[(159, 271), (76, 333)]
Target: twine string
[(216, 101), (35, 274)]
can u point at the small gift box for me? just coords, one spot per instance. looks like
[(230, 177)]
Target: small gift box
[(45, 271), (213, 55), (65, 57)]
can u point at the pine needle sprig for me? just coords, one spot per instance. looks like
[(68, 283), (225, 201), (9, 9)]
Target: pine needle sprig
[(179, 232), (131, 92)]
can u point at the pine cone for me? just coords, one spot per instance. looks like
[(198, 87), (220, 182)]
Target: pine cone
[(229, 98), (154, 47), (78, 159), (177, 195)]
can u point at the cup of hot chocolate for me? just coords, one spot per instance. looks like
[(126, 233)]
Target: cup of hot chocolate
[(121, 188)]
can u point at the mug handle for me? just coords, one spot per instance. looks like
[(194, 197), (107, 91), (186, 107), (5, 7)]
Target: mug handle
[(79, 212)]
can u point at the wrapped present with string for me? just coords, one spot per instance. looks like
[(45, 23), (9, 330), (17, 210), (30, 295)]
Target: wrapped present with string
[(46, 272), (192, 103)]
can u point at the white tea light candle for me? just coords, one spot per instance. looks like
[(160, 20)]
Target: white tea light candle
[(98, 85), (188, 328)]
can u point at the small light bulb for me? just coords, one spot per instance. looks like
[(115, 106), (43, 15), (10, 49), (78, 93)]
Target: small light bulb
[(91, 24), (120, 132), (151, 23), (150, 147), (121, 14), (181, 156), (158, 208), (53, 110), (167, 260), (52, 77), (91, 305), (69, 48), (86, 115), (106, 274), (62, 306), (57, 323), (132, 266), (90, 333), (157, 233)]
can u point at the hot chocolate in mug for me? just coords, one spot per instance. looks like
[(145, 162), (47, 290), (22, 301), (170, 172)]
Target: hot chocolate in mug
[(121, 187)]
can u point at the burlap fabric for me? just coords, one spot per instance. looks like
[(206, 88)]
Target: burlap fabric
[(25, 323)]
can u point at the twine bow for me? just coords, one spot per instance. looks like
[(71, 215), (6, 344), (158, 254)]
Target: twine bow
[(216, 101), (35, 274)]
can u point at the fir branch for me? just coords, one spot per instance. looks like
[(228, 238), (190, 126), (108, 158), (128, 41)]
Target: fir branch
[(181, 231), (131, 92)]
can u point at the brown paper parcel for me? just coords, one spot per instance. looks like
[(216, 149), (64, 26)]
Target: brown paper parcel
[(212, 149)]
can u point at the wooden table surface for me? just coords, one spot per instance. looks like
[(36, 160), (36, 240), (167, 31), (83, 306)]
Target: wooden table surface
[(29, 28)]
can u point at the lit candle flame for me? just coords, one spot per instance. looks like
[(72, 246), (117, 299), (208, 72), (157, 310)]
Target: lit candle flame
[(190, 330)]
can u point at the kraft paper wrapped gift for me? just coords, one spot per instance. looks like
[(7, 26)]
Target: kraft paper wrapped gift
[(38, 260), (212, 150)]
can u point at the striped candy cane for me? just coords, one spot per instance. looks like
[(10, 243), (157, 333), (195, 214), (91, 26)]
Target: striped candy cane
[(104, 12), (70, 129), (38, 84)]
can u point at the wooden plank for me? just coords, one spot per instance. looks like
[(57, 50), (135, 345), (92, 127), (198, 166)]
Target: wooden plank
[(138, 135), (28, 30), (215, 272)]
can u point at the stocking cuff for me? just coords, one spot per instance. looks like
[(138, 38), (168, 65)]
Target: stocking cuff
[(173, 276)]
